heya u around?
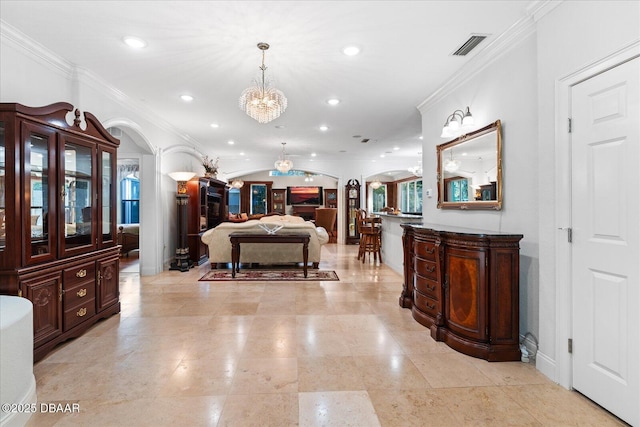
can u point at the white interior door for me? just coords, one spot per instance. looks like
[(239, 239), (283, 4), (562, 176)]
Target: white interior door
[(606, 238)]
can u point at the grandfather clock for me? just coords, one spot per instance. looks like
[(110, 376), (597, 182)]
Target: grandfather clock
[(352, 194), (182, 260)]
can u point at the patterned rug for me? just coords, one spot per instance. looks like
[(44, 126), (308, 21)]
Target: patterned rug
[(270, 275)]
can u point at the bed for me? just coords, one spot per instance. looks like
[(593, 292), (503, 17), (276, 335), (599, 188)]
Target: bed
[(128, 238)]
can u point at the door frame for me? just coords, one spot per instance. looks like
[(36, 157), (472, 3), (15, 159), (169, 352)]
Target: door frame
[(563, 257)]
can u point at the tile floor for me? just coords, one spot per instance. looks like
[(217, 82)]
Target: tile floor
[(190, 353)]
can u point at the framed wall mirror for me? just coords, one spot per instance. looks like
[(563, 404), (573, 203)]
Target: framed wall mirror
[(470, 170)]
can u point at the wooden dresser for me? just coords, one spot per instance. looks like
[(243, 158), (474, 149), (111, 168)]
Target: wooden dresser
[(463, 284)]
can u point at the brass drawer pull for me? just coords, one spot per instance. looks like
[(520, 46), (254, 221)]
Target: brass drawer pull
[(430, 306), (431, 269), (432, 250), (81, 293), (431, 288), (81, 312), (81, 273)]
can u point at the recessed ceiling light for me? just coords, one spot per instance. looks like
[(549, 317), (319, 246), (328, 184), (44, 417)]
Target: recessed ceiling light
[(382, 155), (186, 98), (324, 128), (313, 154), (333, 101), (396, 148), (351, 50), (242, 154), (135, 42), (420, 138), (215, 125), (230, 142)]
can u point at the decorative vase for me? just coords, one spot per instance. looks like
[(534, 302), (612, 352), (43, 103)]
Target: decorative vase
[(211, 174)]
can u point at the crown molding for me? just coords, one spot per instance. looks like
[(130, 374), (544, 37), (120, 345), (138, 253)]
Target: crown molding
[(55, 63), (497, 48)]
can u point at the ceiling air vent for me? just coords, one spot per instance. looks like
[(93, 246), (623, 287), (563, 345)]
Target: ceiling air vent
[(365, 140), (469, 45)]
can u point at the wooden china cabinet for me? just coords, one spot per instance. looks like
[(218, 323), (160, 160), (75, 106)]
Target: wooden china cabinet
[(207, 207), (57, 218), (352, 195), (278, 203)]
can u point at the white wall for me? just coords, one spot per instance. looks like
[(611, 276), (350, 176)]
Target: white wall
[(505, 90), (573, 35)]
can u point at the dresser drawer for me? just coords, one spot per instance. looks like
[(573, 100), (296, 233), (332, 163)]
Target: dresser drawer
[(80, 273), (426, 269), (79, 293), (79, 313), (428, 306), (426, 250), (428, 287)]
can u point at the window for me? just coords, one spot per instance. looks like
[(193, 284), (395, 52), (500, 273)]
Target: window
[(456, 189), (411, 196), (258, 199), (130, 200), (234, 200), (379, 198)]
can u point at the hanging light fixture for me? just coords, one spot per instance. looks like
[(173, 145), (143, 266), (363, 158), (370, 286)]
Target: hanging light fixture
[(451, 165), (283, 165), (457, 123), (263, 102), (375, 184), (237, 183)]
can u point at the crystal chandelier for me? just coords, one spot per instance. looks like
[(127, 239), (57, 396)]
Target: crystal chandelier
[(376, 184), (237, 183), (261, 102), (451, 165), (283, 165)]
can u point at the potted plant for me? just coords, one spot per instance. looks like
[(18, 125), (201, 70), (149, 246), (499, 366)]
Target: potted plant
[(210, 166)]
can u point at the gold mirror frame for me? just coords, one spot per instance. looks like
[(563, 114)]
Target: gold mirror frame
[(446, 150)]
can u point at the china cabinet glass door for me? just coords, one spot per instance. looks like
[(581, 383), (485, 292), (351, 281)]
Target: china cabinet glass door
[(3, 161), (77, 197), (107, 191), (40, 204)]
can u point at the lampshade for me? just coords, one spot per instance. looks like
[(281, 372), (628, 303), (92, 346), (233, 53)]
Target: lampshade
[(283, 164), (181, 176), (263, 102)]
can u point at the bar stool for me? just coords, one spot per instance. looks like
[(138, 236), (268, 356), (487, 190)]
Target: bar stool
[(370, 230)]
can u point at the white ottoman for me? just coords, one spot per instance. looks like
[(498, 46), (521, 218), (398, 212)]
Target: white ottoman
[(17, 382)]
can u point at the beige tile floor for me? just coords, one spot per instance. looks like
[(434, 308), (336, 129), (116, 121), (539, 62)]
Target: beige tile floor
[(190, 353)]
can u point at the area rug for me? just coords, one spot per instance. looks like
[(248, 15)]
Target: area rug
[(270, 275)]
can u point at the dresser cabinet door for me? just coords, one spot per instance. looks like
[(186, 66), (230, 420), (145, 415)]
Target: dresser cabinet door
[(45, 293), (466, 292), (108, 289)]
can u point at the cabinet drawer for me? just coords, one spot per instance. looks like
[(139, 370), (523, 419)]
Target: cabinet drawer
[(79, 313), (80, 273), (427, 305), (428, 287), (79, 293), (426, 250), (426, 269)]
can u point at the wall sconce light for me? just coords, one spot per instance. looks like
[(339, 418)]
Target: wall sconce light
[(375, 184), (457, 123), (237, 183), (182, 260)]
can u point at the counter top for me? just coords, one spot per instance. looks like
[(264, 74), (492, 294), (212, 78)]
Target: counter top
[(460, 230), (400, 215)]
